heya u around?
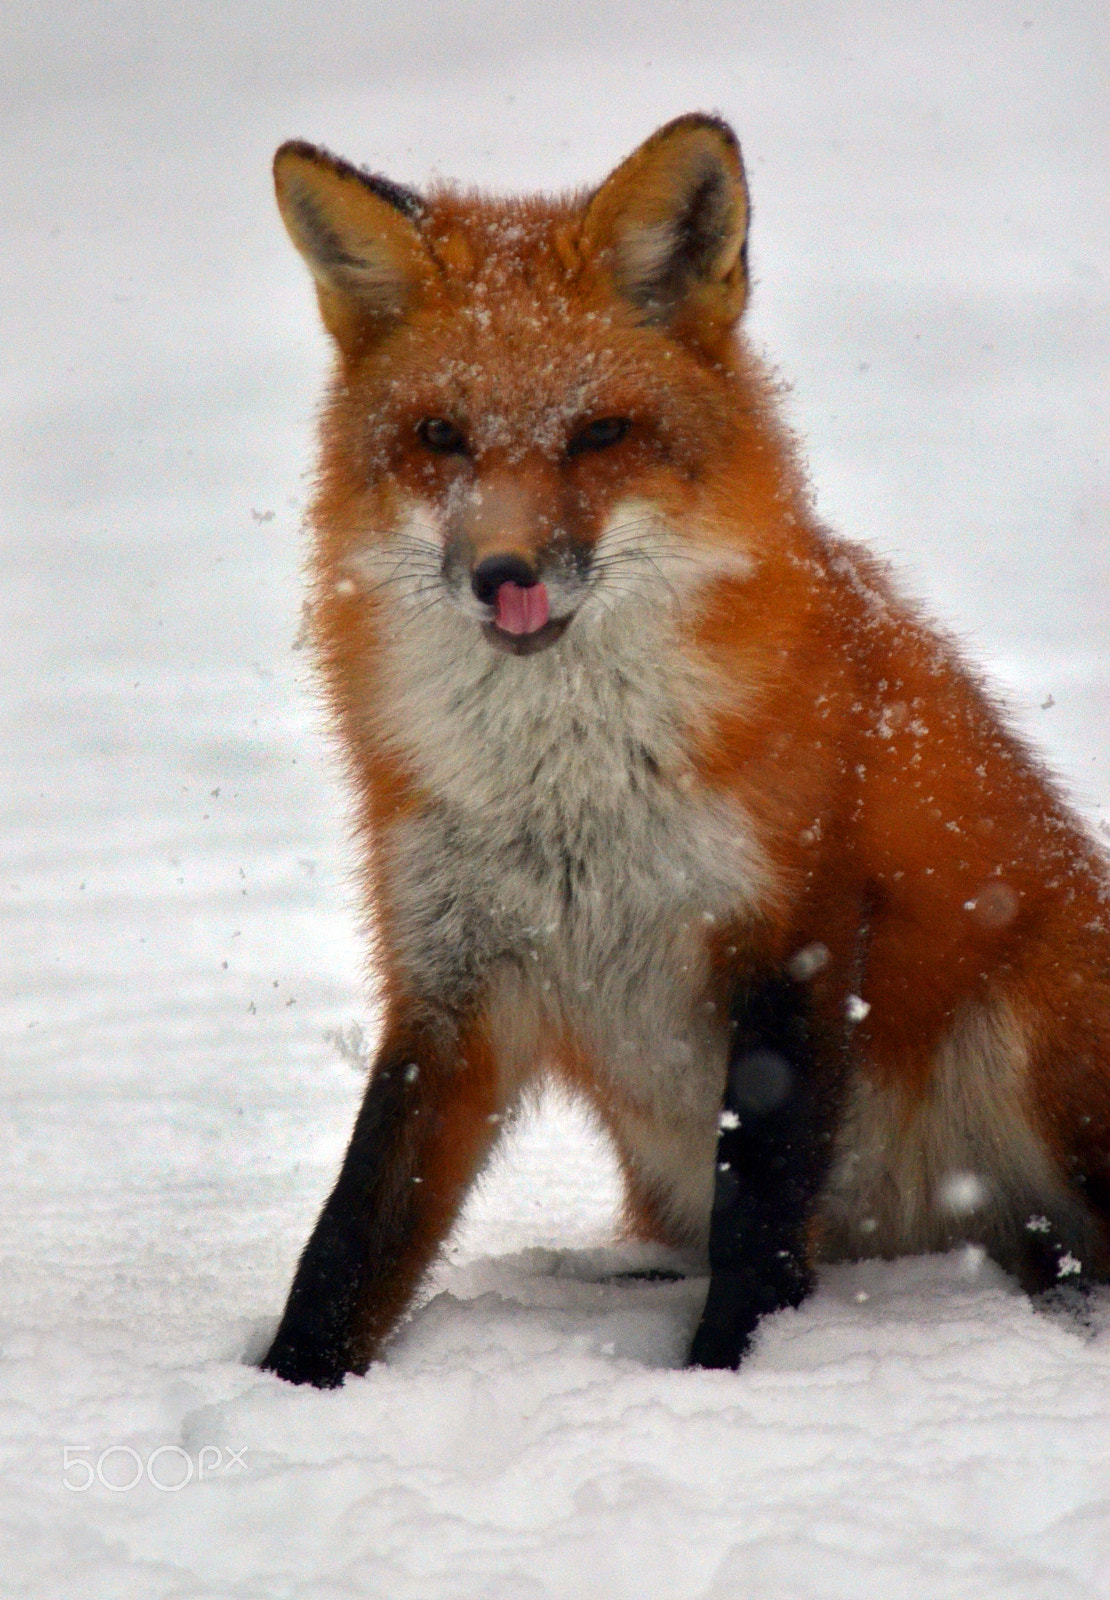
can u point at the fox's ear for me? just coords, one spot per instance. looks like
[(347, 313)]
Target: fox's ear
[(671, 225), (358, 235)]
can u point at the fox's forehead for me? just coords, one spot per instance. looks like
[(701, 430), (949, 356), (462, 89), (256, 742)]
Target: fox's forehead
[(510, 350), (503, 400), (480, 240)]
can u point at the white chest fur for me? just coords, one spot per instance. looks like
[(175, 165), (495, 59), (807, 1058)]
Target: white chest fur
[(565, 841)]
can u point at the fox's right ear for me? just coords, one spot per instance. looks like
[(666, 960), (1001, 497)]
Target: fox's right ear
[(358, 235)]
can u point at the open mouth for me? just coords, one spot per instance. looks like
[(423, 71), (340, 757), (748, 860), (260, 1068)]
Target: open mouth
[(522, 622)]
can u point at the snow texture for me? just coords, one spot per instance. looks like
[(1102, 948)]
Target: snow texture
[(181, 999)]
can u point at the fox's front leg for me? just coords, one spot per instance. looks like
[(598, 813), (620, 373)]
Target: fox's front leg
[(427, 1122), (773, 1152)]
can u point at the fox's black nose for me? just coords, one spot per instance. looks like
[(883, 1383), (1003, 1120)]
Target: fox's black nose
[(490, 574)]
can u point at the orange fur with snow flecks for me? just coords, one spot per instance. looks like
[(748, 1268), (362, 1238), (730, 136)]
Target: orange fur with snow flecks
[(628, 729)]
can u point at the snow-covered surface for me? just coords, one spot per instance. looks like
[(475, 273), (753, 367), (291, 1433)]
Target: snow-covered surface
[(930, 247)]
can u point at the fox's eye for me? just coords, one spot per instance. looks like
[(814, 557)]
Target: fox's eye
[(441, 436), (598, 435)]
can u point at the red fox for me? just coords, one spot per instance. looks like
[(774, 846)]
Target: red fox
[(663, 789)]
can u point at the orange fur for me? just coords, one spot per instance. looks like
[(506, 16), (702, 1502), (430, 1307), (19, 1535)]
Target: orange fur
[(897, 828)]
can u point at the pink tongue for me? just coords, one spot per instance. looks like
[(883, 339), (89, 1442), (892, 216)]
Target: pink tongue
[(522, 610)]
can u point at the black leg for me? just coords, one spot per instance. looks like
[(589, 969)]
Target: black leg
[(772, 1156), (426, 1124), (367, 1219)]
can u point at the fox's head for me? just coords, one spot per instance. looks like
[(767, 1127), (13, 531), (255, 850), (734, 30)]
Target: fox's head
[(534, 400)]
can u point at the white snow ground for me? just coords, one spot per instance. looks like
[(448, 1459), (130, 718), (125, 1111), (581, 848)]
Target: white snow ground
[(931, 252)]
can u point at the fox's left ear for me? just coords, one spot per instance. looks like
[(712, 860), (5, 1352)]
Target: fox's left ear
[(671, 225)]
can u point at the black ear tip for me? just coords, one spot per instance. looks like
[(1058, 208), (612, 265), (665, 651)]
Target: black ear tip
[(299, 150), (398, 195), (299, 147), (703, 122)]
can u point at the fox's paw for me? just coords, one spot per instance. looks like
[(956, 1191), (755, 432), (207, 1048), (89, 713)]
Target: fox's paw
[(304, 1361)]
